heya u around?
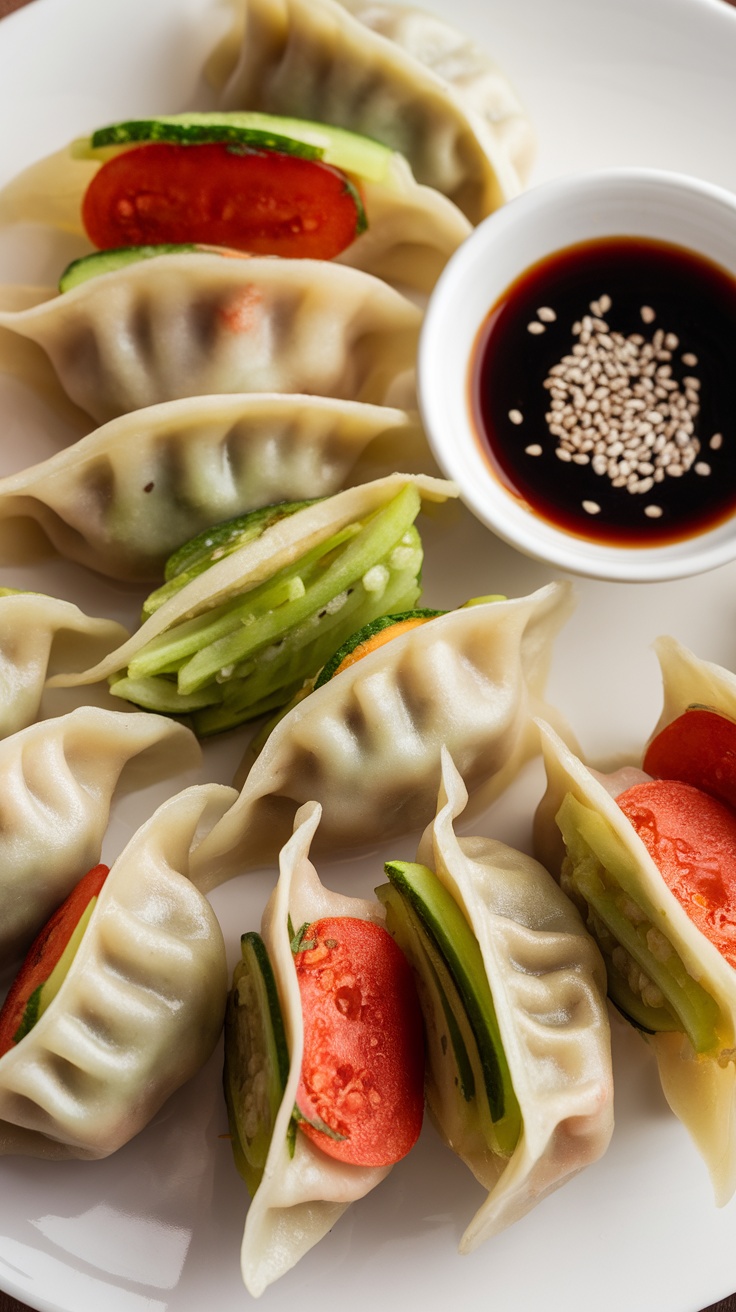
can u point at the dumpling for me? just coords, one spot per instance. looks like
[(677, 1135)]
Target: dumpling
[(238, 633), (200, 324), (38, 636), (124, 498), (140, 1008), (537, 1107), (367, 744), (57, 780), (411, 230), (393, 73), (299, 1190), (642, 854)]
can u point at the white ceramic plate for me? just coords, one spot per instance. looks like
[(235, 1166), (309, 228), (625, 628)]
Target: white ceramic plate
[(158, 1226)]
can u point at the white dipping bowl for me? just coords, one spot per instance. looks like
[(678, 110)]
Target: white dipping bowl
[(665, 207)]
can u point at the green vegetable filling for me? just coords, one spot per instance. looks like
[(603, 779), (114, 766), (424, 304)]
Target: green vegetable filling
[(251, 653), (470, 1081), (647, 979)]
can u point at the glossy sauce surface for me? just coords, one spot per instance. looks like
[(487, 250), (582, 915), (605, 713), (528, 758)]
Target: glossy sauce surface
[(626, 341)]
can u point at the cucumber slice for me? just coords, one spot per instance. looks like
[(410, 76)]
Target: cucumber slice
[(196, 555), (344, 150), (256, 1059), (456, 957), (99, 262), (600, 872), (365, 634)]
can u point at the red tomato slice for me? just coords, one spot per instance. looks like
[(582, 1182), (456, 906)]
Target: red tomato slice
[(699, 747), (45, 952), (691, 838), (266, 203), (363, 1065)]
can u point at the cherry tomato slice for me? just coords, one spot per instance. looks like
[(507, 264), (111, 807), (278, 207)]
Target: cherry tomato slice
[(699, 747), (266, 203), (45, 952), (691, 837), (363, 1065)]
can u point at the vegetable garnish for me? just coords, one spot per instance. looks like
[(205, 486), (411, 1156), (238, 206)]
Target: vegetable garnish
[(265, 203), (360, 1097), (48, 959), (698, 748), (691, 837)]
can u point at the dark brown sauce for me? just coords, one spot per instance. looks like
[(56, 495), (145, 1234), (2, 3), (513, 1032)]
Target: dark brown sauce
[(694, 304)]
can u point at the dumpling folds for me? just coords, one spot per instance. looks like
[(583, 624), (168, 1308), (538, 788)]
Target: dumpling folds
[(57, 780), (301, 1197), (200, 324), (140, 1009), (701, 1091), (367, 744), (548, 983), (38, 636), (393, 73), (124, 498), (412, 230)]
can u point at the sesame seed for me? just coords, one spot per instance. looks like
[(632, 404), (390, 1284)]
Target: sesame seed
[(546, 314), (689, 359), (647, 313), (702, 468), (533, 450), (605, 303), (591, 507), (535, 327), (716, 442), (654, 512), (517, 417), (562, 454)]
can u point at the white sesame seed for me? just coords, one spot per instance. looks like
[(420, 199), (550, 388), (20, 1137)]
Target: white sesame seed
[(605, 303), (702, 468), (654, 512), (591, 508), (563, 455), (535, 327), (671, 341), (689, 359), (647, 313), (546, 314), (581, 459), (516, 416), (716, 442), (533, 450)]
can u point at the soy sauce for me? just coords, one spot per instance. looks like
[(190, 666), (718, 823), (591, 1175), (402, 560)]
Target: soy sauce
[(660, 324)]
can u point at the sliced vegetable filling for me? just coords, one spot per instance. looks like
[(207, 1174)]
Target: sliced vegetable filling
[(460, 1016), (647, 978), (251, 653), (252, 182), (48, 959)]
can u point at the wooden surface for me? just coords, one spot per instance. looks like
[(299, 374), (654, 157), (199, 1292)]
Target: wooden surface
[(8, 1304)]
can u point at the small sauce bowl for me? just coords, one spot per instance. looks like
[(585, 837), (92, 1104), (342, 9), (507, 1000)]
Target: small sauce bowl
[(661, 532)]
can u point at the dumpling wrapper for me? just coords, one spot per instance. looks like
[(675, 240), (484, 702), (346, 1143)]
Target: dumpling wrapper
[(122, 499), (38, 636), (390, 72), (57, 780), (367, 744), (199, 324), (141, 1007), (412, 230), (299, 1198), (548, 983), (280, 545), (700, 1090)]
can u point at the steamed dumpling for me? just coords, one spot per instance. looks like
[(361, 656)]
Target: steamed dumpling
[(411, 230), (367, 744), (38, 636), (140, 1009), (548, 985), (57, 780), (302, 1193), (200, 324), (393, 73), (124, 498)]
